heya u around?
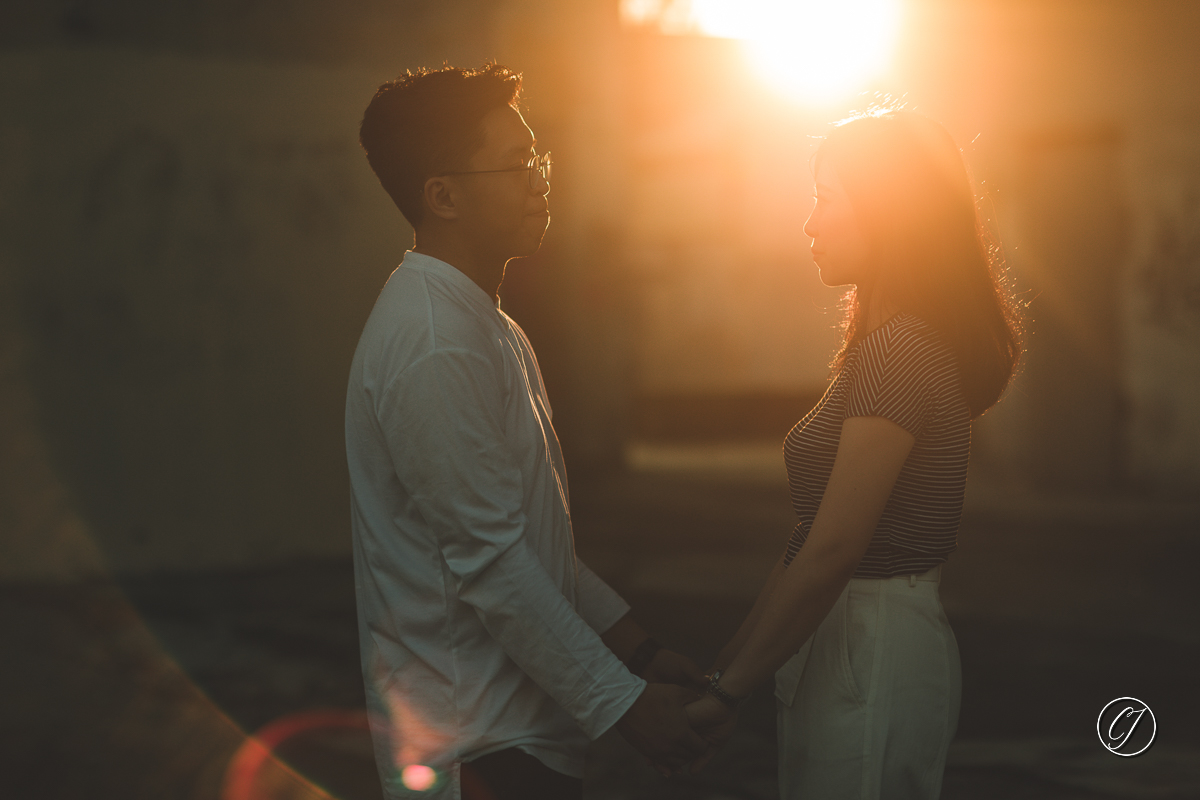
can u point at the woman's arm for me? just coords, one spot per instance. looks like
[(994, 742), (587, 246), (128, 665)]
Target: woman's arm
[(871, 452), (730, 651)]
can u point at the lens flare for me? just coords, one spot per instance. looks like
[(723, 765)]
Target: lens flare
[(414, 737), (418, 777), (258, 750), (814, 51), (811, 51)]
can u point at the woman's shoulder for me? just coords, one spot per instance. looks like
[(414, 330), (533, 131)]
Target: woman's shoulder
[(903, 326), (904, 330), (906, 341)]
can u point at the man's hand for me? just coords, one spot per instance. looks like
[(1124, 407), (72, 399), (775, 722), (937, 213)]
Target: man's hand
[(670, 667), (658, 728), (714, 721)]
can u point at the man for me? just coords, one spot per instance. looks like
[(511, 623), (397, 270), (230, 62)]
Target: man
[(491, 655)]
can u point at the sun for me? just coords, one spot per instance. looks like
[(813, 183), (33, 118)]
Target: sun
[(815, 51)]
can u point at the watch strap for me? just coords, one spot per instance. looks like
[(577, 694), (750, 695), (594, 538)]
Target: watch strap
[(714, 688)]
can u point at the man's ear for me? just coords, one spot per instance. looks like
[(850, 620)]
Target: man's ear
[(439, 196)]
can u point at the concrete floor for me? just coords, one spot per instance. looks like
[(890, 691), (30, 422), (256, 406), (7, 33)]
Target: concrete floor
[(143, 688)]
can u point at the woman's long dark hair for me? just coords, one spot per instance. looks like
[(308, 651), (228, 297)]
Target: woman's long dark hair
[(932, 255)]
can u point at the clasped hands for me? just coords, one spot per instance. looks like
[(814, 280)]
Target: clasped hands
[(675, 723)]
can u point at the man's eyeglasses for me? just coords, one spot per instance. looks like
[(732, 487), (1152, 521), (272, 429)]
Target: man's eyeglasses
[(538, 166)]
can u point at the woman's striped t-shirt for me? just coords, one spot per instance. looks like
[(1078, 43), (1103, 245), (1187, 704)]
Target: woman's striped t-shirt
[(901, 371)]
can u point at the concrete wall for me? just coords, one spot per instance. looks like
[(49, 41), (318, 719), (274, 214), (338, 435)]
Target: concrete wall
[(194, 243), (1083, 113), (190, 240), (1079, 122)]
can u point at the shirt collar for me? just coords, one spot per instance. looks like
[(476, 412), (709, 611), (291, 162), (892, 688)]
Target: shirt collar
[(414, 260)]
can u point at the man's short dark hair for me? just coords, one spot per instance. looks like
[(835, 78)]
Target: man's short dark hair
[(428, 123)]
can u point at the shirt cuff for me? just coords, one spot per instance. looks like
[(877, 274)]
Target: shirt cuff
[(607, 715), (599, 605)]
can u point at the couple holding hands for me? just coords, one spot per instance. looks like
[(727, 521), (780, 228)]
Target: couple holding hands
[(491, 654)]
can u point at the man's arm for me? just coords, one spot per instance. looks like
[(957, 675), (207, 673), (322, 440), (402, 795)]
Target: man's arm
[(441, 421), (609, 616), (599, 605)]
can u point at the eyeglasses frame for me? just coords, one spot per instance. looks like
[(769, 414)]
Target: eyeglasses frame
[(539, 165)]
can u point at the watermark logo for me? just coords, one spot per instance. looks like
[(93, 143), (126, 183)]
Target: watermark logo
[(1126, 726)]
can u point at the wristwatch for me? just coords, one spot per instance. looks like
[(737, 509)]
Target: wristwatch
[(714, 688)]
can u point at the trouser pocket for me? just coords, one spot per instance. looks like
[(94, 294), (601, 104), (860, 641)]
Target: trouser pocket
[(787, 679), (859, 636)]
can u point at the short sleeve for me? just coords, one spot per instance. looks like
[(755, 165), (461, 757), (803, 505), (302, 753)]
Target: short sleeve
[(893, 375)]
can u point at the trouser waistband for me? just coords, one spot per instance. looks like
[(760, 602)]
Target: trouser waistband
[(933, 576)]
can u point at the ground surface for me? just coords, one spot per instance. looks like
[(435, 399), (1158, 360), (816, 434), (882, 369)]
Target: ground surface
[(142, 688)]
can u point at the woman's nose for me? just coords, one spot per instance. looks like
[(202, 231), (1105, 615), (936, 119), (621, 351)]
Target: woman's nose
[(810, 225)]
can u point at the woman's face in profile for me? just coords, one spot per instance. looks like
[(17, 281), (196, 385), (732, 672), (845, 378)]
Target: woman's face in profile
[(839, 245)]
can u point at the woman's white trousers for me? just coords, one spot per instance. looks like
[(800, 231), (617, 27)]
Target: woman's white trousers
[(868, 706)]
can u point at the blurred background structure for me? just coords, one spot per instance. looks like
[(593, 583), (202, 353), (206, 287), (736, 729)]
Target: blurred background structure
[(191, 239)]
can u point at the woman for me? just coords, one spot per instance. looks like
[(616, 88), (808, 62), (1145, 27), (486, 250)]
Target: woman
[(866, 667)]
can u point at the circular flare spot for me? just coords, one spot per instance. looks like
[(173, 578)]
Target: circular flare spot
[(418, 777)]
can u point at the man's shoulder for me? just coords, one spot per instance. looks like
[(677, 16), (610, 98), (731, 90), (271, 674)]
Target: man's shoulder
[(517, 329), (416, 315)]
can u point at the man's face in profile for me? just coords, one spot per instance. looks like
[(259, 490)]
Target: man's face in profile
[(505, 212)]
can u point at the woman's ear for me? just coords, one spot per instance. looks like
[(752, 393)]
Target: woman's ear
[(439, 196)]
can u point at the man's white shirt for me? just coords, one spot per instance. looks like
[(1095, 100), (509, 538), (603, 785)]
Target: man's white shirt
[(479, 628)]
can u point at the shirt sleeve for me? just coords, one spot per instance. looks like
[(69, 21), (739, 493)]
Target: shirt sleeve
[(599, 604), (893, 377), (442, 422)]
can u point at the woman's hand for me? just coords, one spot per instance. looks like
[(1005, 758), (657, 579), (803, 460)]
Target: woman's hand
[(714, 721)]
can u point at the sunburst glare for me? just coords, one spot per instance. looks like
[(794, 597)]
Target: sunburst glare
[(813, 51)]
